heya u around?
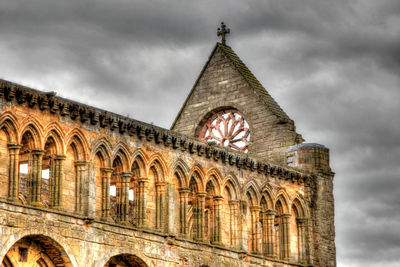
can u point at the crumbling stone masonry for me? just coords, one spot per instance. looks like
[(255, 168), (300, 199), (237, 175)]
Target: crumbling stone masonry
[(231, 184)]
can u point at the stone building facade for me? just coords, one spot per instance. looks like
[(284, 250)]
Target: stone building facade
[(231, 184)]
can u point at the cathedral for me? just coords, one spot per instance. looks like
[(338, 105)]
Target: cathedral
[(232, 183)]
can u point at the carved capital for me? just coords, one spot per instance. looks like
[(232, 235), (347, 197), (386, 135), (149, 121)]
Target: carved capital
[(255, 208), (143, 180), (38, 152), (107, 170), (201, 194), (80, 163), (60, 157), (270, 212), (286, 215), (184, 189), (14, 147), (218, 198), (126, 174)]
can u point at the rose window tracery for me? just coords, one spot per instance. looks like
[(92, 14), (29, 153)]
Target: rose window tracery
[(227, 128)]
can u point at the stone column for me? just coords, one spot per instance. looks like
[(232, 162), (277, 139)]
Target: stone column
[(200, 208), (116, 177), (124, 197), (105, 191), (160, 199), (217, 224), (234, 216), (35, 177), (269, 233), (264, 232), (52, 183), (183, 209), (285, 236), (13, 172), (301, 231), (255, 211), (57, 181), (141, 202), (80, 168)]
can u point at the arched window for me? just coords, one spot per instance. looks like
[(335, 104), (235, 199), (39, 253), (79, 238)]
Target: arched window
[(36, 250), (282, 221), (137, 197), (230, 215), (209, 213), (196, 208), (227, 128), (180, 196), (157, 193)]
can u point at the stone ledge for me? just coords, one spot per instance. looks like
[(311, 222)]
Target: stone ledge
[(91, 116), (149, 235)]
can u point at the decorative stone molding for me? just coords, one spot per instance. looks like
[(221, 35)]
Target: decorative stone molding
[(22, 95)]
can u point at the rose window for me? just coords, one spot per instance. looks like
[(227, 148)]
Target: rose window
[(227, 128)]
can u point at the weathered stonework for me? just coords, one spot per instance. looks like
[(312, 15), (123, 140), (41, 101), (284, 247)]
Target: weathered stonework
[(225, 82), (80, 186)]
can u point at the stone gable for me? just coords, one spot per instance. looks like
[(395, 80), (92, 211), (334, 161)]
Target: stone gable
[(224, 84)]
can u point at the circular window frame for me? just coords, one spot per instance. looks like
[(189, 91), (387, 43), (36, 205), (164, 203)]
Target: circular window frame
[(228, 136)]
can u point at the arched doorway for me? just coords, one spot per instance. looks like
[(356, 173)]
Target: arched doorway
[(36, 250), (125, 260)]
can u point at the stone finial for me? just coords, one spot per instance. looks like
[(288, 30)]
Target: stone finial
[(222, 32)]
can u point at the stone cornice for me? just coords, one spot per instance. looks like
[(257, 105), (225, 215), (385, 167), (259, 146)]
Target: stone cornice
[(48, 101)]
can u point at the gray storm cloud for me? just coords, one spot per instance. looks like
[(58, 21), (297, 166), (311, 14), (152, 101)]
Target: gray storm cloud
[(333, 66)]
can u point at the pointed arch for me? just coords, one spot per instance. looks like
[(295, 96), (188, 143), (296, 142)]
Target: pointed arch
[(182, 170), (266, 194), (252, 191), (140, 152), (35, 124), (214, 176), (124, 148), (53, 131), (178, 184), (8, 136), (35, 133), (121, 159), (196, 203), (251, 213), (10, 125), (102, 147), (197, 177), (76, 136), (282, 199), (138, 167), (298, 208), (299, 229), (195, 182), (157, 164), (230, 211), (232, 184)]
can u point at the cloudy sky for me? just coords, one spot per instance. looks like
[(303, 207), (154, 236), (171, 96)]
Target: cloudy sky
[(333, 66)]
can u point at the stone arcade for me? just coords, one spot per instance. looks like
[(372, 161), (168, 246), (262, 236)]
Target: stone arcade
[(231, 184)]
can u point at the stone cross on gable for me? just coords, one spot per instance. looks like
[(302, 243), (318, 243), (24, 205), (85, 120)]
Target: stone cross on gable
[(222, 32)]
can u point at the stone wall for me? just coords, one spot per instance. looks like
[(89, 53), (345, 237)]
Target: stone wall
[(92, 242), (193, 203), (222, 86), (315, 158)]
